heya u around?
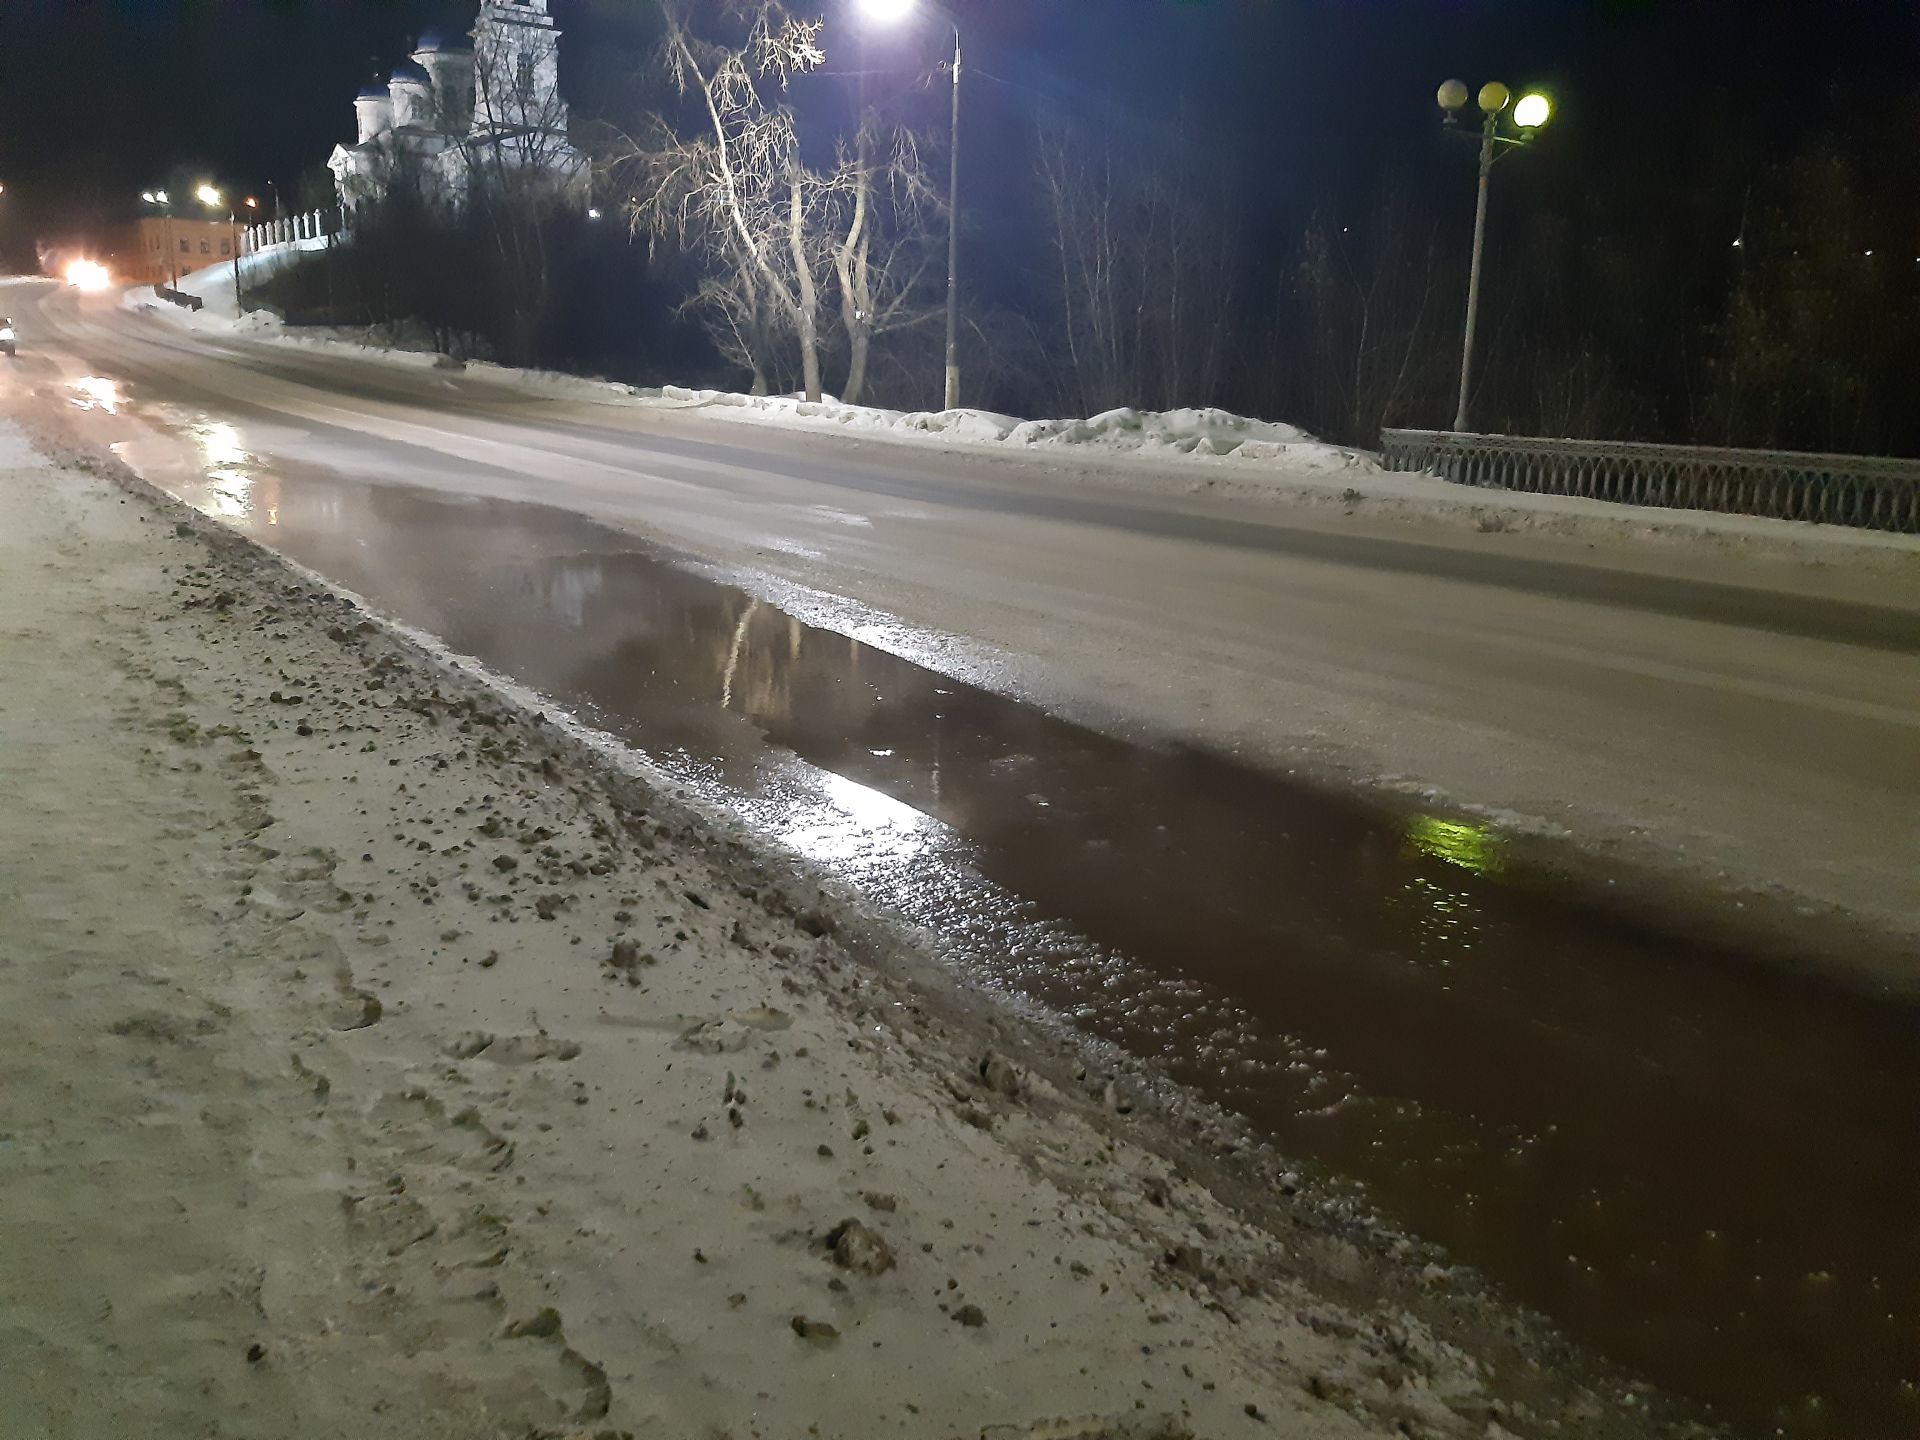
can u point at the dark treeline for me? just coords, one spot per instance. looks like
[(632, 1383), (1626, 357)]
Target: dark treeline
[(1153, 262)]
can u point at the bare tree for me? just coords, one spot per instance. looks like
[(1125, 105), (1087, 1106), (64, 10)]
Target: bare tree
[(1372, 332), (730, 186), (1815, 338), (739, 318), (1144, 264), (882, 253)]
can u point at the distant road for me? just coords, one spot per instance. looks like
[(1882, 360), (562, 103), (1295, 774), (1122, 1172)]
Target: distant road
[(1677, 703)]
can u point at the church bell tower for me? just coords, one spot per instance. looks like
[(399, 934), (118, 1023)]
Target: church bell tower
[(516, 57)]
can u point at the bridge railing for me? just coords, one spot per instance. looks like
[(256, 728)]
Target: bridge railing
[(1870, 492)]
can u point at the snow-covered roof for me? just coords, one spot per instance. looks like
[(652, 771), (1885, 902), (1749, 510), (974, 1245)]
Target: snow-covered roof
[(408, 73)]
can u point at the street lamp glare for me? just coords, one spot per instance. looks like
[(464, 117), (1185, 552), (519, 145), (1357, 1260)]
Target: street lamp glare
[(1494, 97), (887, 12), (207, 195), (1533, 111), (160, 197), (1453, 96), (252, 203)]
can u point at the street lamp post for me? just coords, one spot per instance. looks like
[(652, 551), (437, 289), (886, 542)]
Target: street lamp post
[(164, 202), (253, 204), (1533, 111), (890, 12), (210, 196)]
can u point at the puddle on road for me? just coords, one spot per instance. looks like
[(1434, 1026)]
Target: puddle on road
[(1707, 1169)]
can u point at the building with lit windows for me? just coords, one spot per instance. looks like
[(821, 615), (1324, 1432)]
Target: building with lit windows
[(154, 248)]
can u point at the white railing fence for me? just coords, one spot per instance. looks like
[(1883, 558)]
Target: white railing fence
[(291, 230)]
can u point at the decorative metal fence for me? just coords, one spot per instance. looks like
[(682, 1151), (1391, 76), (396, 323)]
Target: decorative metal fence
[(1870, 492)]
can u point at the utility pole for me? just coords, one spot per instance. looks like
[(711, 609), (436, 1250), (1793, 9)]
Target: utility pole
[(953, 241), (893, 12)]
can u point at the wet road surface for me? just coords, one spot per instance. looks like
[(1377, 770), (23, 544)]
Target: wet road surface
[(1748, 723), (1704, 1166)]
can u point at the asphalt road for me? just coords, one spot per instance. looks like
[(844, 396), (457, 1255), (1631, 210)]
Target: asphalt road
[(1716, 715)]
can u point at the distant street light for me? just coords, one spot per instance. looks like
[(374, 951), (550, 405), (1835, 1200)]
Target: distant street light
[(1532, 111), (209, 197), (894, 12)]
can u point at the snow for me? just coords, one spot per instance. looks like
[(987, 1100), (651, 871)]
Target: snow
[(1159, 434), (1155, 433), (213, 284)]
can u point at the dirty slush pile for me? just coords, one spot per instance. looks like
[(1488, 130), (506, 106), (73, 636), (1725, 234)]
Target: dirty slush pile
[(381, 1060)]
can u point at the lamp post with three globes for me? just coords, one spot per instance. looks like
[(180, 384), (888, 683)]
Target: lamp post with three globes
[(1527, 116)]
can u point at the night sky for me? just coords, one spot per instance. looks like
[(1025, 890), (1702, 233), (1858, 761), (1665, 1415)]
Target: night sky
[(1681, 125), (100, 98)]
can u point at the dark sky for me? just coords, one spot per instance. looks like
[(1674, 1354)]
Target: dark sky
[(100, 98)]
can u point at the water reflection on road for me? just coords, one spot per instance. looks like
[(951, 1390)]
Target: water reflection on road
[(1705, 1167)]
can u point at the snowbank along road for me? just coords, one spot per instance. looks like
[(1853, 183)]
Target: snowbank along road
[(1726, 715)]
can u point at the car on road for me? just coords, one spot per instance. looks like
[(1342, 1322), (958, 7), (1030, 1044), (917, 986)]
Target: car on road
[(6, 336)]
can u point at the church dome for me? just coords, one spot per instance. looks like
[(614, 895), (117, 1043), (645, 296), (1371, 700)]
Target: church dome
[(408, 73), (371, 91)]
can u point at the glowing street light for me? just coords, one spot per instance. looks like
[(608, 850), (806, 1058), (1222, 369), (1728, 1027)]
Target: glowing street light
[(210, 197), (896, 12), (1532, 111)]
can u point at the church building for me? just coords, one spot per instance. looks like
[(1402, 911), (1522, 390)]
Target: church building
[(453, 119)]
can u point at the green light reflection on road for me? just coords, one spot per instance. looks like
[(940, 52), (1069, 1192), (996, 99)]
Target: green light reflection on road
[(1471, 847)]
